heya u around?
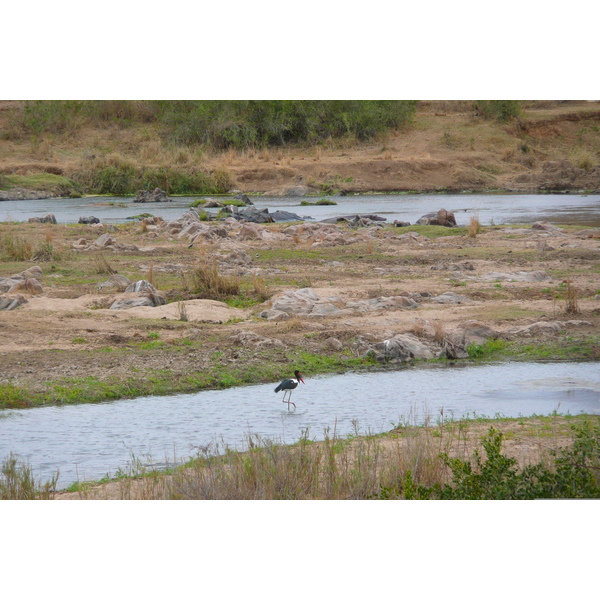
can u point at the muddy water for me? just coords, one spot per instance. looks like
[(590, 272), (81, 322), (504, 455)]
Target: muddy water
[(88, 441), (491, 209)]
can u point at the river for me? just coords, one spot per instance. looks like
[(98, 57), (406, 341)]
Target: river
[(491, 209), (88, 441)]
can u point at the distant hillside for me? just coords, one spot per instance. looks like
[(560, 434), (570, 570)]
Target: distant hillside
[(280, 147)]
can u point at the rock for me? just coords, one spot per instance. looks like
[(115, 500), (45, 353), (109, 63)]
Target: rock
[(26, 286), (47, 218), (157, 195), (543, 226), (12, 302), (588, 233), (103, 241), (334, 344), (474, 332), (281, 216), (404, 347), (141, 287), (149, 299), (249, 231), (253, 215), (539, 328), (115, 281), (88, 220), (442, 217), (401, 224), (517, 276), (274, 315), (451, 298), (35, 272)]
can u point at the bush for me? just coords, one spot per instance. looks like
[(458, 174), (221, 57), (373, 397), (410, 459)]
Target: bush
[(117, 176), (502, 110), (574, 474), (260, 123)]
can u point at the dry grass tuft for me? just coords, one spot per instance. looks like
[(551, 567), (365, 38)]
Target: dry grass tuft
[(439, 332), (474, 226), (206, 281), (102, 266), (572, 297)]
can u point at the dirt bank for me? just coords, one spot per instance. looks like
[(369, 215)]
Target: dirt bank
[(551, 146), (372, 284)]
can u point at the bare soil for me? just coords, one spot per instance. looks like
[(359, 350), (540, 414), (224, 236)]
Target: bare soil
[(68, 331)]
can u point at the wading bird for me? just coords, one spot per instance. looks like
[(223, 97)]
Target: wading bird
[(287, 385)]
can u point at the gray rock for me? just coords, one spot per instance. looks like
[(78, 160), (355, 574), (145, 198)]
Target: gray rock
[(451, 298), (141, 287), (157, 195), (88, 220), (11, 302), (47, 218), (442, 217), (119, 282), (145, 300)]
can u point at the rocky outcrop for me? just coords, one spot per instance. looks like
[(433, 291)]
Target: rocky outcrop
[(47, 218), (12, 302), (157, 195), (307, 303), (125, 302), (25, 282), (119, 282), (442, 217)]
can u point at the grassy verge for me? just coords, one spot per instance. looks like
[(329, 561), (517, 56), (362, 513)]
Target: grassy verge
[(467, 459), (78, 390)]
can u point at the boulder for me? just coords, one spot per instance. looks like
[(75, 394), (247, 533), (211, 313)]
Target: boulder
[(149, 299), (11, 302), (249, 231), (141, 287), (88, 220), (35, 272), (157, 195), (103, 241), (451, 298), (281, 216), (543, 226), (47, 218), (404, 347), (442, 217), (474, 332), (26, 286), (119, 282), (253, 215)]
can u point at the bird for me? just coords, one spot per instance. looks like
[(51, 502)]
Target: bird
[(287, 385)]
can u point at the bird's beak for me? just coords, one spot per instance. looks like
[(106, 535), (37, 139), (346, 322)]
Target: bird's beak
[(300, 378)]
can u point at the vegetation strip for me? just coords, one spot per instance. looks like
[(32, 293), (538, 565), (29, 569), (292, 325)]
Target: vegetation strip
[(499, 459)]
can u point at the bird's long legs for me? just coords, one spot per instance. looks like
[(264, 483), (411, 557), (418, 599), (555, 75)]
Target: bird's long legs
[(289, 393)]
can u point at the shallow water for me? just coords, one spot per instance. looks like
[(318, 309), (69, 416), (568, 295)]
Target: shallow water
[(491, 209), (90, 440)]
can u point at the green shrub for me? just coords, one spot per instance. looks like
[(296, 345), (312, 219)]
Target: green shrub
[(575, 473), (260, 123), (502, 110)]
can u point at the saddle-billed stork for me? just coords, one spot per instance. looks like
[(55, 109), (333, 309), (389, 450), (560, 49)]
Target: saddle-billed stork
[(287, 385)]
